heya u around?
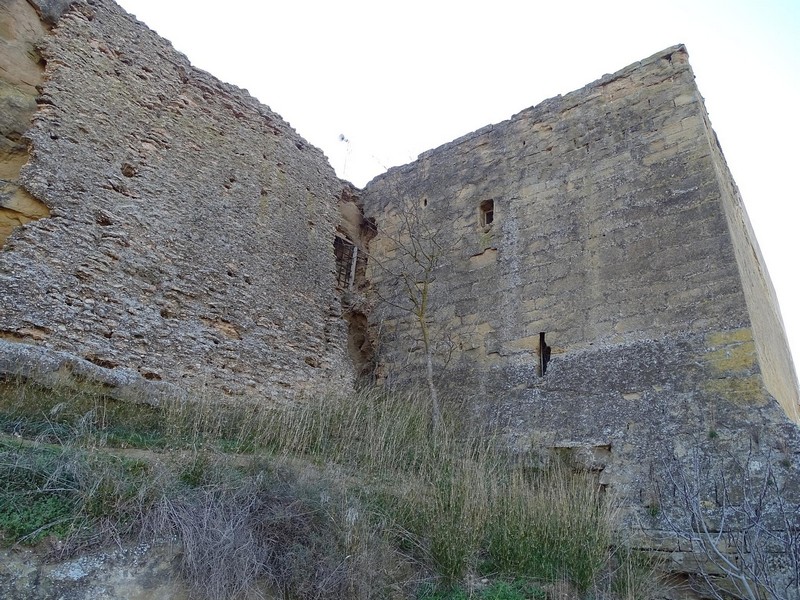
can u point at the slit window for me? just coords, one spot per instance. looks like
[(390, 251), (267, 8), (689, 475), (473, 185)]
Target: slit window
[(487, 213), (544, 355)]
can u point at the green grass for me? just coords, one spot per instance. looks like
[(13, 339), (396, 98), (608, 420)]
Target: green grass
[(65, 413), (37, 494), (67, 492), (355, 497), (554, 525), (32, 515)]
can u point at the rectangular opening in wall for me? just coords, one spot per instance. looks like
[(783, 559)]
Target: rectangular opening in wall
[(544, 355), (346, 254), (487, 213)]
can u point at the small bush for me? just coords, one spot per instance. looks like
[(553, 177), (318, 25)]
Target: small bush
[(301, 542), (455, 517)]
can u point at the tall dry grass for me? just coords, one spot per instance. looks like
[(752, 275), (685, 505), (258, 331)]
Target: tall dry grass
[(361, 496)]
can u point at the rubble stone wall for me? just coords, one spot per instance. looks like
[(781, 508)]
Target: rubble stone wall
[(190, 229)]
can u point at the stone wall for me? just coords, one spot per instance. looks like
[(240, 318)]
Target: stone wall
[(614, 220), (189, 229), (607, 222), (583, 276)]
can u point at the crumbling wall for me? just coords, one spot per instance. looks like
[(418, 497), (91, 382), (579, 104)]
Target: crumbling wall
[(351, 249), (190, 229), (21, 70)]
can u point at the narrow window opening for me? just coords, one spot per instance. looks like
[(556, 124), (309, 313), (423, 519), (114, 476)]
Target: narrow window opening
[(346, 257), (487, 213), (544, 355)]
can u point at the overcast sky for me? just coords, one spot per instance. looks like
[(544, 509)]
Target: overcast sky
[(398, 78)]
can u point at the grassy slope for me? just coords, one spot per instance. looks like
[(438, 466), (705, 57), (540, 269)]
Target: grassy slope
[(358, 497)]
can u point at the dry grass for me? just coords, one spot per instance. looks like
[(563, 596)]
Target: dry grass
[(356, 497)]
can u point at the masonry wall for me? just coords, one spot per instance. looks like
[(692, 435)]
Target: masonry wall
[(612, 223), (607, 222), (190, 229), (617, 235)]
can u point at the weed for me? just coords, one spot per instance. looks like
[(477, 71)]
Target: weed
[(84, 415), (635, 575), (194, 473), (499, 590)]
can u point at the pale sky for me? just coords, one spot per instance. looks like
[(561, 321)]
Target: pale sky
[(398, 78)]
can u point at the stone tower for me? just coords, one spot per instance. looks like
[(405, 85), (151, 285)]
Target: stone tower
[(595, 287)]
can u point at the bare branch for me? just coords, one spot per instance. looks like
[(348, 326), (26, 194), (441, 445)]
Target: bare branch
[(759, 559)]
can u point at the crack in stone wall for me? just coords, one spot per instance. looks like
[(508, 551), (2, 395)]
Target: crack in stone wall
[(356, 304)]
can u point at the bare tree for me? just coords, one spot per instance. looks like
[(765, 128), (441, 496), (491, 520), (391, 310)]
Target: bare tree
[(740, 521), (415, 249)]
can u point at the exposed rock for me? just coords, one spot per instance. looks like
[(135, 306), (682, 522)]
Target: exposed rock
[(50, 11), (22, 71), (133, 573)]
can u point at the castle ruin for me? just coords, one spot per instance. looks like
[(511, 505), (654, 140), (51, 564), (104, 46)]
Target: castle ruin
[(593, 286)]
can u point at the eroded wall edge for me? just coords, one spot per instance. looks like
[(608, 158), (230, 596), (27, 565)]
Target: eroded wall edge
[(24, 24), (769, 333), (22, 27)]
